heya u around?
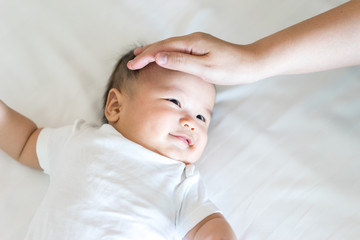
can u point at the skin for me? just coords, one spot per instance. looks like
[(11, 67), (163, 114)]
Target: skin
[(18, 136), (148, 117), (327, 41), (165, 112), (169, 112)]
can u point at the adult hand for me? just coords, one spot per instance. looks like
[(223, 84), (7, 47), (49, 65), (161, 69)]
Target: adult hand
[(203, 55), (327, 41)]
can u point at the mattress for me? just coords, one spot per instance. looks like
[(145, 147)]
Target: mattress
[(282, 159)]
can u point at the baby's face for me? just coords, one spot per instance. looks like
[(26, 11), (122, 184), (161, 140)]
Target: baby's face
[(169, 113)]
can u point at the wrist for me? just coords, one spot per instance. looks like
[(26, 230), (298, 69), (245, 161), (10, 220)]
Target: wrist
[(252, 63), (263, 65)]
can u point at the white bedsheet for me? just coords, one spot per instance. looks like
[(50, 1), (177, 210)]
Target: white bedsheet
[(282, 160)]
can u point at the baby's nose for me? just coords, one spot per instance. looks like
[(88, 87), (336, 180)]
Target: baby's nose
[(187, 122)]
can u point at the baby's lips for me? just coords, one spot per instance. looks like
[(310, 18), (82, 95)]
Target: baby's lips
[(186, 139)]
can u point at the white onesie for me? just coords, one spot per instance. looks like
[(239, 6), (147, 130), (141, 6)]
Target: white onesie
[(104, 186)]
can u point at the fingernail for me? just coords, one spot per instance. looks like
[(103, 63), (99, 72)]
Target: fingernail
[(129, 64), (162, 58)]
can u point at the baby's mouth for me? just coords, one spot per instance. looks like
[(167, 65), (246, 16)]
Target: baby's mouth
[(183, 138)]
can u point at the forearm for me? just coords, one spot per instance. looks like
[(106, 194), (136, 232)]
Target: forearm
[(329, 40), (15, 130)]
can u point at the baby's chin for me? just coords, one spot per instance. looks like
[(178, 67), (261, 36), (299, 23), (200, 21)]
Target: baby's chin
[(186, 161), (186, 157)]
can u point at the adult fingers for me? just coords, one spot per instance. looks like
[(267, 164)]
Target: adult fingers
[(146, 55), (183, 62), (140, 50), (138, 63), (183, 44), (166, 43)]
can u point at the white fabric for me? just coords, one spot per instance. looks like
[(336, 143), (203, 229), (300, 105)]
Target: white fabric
[(103, 186), (282, 161)]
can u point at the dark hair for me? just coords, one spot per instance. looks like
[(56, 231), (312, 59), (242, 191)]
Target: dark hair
[(120, 77)]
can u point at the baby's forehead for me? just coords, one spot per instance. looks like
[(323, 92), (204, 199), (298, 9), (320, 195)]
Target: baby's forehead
[(153, 71), (176, 80)]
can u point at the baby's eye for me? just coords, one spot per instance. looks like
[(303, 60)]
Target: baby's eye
[(201, 117), (176, 102)]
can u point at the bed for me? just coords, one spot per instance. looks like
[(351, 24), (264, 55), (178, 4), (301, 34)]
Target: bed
[(282, 161)]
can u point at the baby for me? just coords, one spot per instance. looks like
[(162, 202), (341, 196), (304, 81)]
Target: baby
[(132, 177)]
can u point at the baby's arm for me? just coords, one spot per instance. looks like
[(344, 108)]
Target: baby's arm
[(18, 136), (212, 227)]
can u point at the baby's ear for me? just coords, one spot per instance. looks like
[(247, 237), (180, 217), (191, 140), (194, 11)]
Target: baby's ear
[(113, 105)]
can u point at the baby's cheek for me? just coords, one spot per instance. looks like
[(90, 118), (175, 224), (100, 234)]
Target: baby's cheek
[(199, 150)]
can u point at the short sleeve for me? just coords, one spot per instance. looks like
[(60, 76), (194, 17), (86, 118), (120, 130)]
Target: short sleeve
[(195, 205), (50, 144)]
